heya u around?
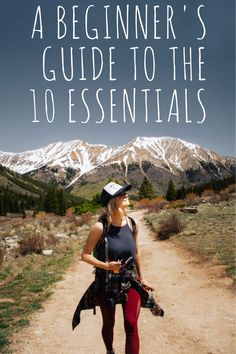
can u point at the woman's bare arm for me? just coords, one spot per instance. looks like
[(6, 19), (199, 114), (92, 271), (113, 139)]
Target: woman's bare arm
[(86, 255)]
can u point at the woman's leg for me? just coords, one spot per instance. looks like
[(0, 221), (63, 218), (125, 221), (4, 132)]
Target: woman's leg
[(108, 316), (131, 310)]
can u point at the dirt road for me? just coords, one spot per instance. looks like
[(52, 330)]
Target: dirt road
[(199, 309)]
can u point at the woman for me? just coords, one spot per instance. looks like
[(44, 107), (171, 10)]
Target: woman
[(122, 245)]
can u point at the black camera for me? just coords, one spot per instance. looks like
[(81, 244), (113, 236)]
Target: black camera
[(116, 287), (127, 264), (116, 290)]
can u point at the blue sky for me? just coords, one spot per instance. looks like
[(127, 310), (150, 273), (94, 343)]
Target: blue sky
[(208, 94)]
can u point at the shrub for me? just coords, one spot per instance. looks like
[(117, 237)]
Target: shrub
[(89, 206), (231, 188), (208, 193), (31, 244), (159, 199), (47, 224), (192, 199), (52, 240), (170, 226), (156, 207), (215, 199), (153, 206), (157, 204), (73, 228), (41, 215), (224, 195), (73, 219), (143, 203), (56, 221), (70, 212), (85, 218)]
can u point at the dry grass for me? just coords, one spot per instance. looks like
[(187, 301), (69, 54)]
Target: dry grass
[(26, 281), (231, 188), (176, 204), (42, 231), (209, 233), (208, 193), (153, 205), (52, 240), (85, 218), (73, 219), (2, 255), (192, 199)]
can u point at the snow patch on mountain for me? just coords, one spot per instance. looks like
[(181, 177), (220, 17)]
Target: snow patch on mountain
[(172, 154)]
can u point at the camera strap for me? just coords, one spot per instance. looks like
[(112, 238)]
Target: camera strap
[(105, 231)]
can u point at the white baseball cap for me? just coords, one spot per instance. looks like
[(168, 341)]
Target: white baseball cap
[(112, 190)]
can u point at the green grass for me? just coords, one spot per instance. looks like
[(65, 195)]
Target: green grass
[(210, 233), (24, 292), (5, 272), (88, 190)]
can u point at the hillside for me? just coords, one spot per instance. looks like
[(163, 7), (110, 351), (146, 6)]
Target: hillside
[(19, 193), (18, 183)]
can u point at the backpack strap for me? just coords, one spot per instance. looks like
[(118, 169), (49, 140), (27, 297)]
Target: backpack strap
[(103, 237), (132, 224)]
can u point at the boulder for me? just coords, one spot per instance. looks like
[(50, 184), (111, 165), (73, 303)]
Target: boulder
[(191, 210)]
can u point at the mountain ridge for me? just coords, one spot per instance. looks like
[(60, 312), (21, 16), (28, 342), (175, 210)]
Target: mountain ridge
[(159, 158), (105, 145)]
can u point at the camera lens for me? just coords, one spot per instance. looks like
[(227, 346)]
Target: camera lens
[(110, 301)]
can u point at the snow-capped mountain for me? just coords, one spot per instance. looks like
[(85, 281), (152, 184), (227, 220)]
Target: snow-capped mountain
[(75, 154), (160, 159)]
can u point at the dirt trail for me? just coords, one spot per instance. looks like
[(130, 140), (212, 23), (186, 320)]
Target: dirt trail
[(199, 309)]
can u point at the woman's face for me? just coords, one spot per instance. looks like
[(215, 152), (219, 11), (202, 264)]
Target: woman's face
[(122, 201)]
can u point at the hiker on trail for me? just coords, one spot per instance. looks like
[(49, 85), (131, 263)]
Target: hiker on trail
[(112, 248)]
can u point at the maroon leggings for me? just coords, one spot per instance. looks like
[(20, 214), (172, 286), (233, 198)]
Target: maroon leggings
[(131, 311)]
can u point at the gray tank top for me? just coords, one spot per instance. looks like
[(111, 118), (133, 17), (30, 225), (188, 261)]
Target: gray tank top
[(121, 243)]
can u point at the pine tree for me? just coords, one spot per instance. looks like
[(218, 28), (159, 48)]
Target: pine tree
[(96, 201), (181, 193), (61, 202), (146, 189), (171, 191), (6, 202), (21, 208), (1, 206), (50, 202)]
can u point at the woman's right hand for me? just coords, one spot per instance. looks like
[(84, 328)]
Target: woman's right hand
[(114, 266)]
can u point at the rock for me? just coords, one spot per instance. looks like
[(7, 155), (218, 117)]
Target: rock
[(47, 252), (188, 233), (60, 235), (73, 237), (11, 242), (191, 210)]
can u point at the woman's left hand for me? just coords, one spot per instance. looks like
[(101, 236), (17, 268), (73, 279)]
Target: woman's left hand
[(147, 285)]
